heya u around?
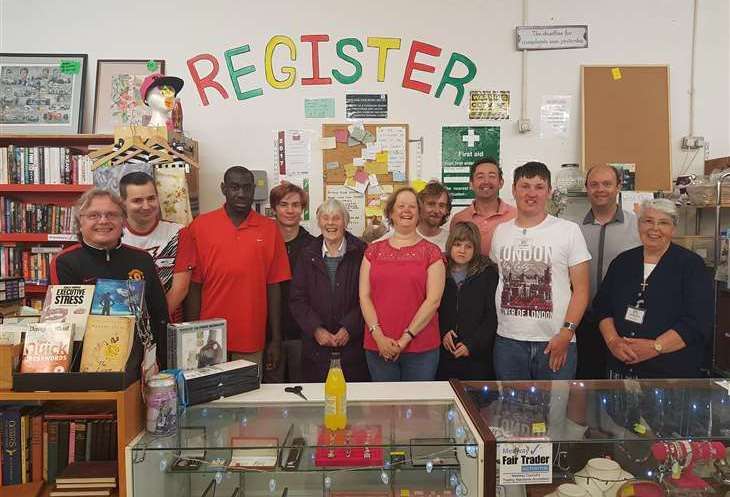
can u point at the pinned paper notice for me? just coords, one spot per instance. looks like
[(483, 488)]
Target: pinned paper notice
[(616, 73), (361, 177), (350, 170), (418, 185), (341, 135), (387, 188), (327, 143), (351, 142), (361, 187), (373, 211), (370, 150), (382, 157), (357, 133), (350, 182), (373, 180), (332, 165), (376, 168), (358, 161), (398, 176)]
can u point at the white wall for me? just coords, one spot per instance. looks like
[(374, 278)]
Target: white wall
[(235, 132)]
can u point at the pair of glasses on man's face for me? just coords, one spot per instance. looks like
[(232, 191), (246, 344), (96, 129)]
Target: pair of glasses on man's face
[(98, 216)]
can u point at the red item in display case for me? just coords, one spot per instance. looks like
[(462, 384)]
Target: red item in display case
[(682, 455), (358, 445)]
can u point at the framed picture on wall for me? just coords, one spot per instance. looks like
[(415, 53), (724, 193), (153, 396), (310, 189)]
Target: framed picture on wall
[(118, 101), (42, 93)]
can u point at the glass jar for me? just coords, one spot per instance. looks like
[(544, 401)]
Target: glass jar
[(569, 179), (161, 398)]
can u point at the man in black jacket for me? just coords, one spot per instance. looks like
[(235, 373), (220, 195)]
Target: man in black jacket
[(99, 215)]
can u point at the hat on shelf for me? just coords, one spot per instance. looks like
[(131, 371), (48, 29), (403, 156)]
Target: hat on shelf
[(156, 80)]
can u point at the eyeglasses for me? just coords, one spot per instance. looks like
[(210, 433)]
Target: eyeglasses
[(661, 223), (97, 216)]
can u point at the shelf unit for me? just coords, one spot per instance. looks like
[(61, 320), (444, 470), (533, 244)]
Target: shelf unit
[(129, 412), (59, 194)]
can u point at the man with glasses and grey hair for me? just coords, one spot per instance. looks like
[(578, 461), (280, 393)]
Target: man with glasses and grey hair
[(100, 253)]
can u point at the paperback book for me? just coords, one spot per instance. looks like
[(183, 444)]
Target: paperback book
[(107, 344), (47, 348), (68, 304), (118, 298)]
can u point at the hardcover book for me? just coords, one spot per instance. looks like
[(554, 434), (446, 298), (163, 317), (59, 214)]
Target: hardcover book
[(68, 304), (118, 298), (107, 344), (47, 348), (196, 344)]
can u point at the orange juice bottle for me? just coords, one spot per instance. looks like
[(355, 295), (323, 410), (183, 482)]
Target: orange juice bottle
[(335, 396)]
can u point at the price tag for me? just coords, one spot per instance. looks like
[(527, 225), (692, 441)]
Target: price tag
[(616, 73), (61, 237)]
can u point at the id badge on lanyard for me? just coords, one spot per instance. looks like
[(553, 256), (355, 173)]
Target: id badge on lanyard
[(635, 313)]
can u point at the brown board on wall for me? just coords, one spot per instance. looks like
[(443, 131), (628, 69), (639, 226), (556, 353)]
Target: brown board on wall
[(344, 154), (625, 113)]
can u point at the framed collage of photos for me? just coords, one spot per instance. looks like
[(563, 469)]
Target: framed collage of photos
[(42, 93)]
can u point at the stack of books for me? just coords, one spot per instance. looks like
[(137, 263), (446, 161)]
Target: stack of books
[(87, 479)]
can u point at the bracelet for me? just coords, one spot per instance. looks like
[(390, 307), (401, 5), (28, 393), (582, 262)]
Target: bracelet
[(373, 327)]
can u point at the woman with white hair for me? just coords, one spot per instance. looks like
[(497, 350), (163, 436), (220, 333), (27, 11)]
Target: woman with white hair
[(654, 305), (324, 297)]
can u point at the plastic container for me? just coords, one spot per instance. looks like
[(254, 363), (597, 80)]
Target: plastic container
[(161, 398), (569, 180)]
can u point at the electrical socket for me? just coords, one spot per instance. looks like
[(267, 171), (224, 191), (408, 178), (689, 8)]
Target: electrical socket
[(693, 142), (524, 125)]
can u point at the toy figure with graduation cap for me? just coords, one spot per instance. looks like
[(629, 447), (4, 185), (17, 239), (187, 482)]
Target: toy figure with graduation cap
[(159, 93)]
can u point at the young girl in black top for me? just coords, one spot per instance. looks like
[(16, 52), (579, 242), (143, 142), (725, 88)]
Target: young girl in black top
[(467, 315)]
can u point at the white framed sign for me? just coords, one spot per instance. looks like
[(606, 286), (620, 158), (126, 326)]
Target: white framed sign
[(525, 463), (552, 37)]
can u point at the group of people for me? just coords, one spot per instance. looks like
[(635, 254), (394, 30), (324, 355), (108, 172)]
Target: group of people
[(503, 292)]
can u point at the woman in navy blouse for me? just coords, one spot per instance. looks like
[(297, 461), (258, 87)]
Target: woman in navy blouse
[(655, 305)]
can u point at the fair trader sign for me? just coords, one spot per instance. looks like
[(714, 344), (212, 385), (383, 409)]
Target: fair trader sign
[(425, 67), (525, 463)]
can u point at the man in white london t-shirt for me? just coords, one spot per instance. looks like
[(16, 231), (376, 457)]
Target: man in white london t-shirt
[(145, 230), (540, 258)]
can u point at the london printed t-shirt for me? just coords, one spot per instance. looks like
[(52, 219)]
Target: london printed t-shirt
[(534, 282)]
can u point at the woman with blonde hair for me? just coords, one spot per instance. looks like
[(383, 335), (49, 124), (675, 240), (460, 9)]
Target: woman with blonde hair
[(467, 315)]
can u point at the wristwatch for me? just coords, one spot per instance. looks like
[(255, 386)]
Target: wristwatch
[(658, 347), (571, 326)]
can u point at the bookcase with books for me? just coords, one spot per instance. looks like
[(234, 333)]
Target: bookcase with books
[(56, 442), (41, 176)]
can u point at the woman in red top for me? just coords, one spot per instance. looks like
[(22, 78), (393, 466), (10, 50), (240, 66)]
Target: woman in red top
[(401, 282)]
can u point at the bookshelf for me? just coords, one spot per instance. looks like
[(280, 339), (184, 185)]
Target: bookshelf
[(129, 412), (61, 194)]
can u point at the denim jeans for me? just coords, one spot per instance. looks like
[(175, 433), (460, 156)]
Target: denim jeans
[(516, 360), (410, 366)]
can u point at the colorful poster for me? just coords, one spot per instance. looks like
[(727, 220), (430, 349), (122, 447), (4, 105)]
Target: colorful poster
[(461, 146), (36, 94), (292, 152), (554, 116), (366, 106), (485, 104), (319, 108)]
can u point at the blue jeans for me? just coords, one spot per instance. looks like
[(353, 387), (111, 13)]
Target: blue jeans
[(410, 366), (516, 360)]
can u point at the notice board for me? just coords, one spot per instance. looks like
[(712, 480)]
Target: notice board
[(362, 170), (625, 114)]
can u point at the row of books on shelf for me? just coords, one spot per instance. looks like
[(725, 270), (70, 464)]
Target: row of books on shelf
[(17, 216), (32, 264), (44, 165), (40, 444)]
